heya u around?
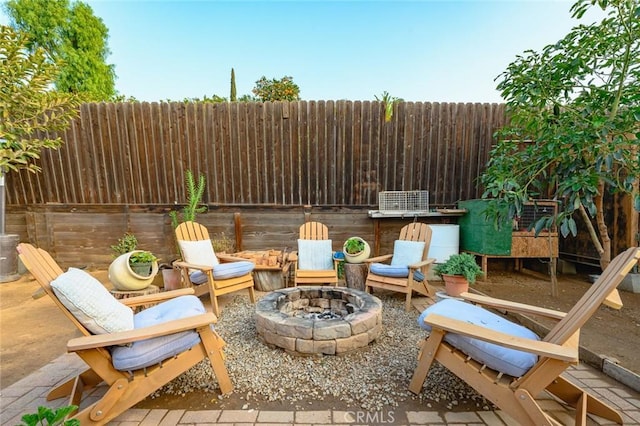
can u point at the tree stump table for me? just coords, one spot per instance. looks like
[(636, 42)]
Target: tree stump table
[(122, 294), (272, 268), (355, 274)]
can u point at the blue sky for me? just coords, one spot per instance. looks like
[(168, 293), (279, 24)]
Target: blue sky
[(435, 51)]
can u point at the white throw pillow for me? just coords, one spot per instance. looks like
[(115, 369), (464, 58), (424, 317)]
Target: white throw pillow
[(198, 252), (315, 255), (407, 253), (91, 303)]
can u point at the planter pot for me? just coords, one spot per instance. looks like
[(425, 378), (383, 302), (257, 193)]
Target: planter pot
[(454, 285), (172, 279), (124, 278), (9, 257), (357, 257), (142, 269)]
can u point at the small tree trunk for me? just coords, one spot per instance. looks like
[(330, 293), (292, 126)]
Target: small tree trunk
[(605, 255)]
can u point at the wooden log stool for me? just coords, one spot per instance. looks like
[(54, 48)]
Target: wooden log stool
[(355, 275)]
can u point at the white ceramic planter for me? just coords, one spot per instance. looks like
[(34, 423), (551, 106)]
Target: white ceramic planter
[(124, 279), (358, 257)]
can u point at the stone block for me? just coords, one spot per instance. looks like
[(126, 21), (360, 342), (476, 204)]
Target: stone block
[(351, 343), (280, 341), (300, 328), (326, 347), (331, 329), (362, 322)]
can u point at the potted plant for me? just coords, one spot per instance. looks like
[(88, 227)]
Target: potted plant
[(141, 262), (356, 250), (458, 272), (131, 269)]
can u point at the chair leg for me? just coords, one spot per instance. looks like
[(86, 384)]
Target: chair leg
[(577, 397), (214, 305), (252, 295), (88, 378), (213, 344), (533, 410), (425, 359), (407, 304)]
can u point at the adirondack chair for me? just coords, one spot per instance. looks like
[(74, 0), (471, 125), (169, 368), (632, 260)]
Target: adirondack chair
[(515, 367), (208, 272), (409, 265), (313, 262), (151, 348)]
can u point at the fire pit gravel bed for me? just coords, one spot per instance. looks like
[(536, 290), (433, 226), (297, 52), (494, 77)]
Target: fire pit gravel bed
[(318, 320)]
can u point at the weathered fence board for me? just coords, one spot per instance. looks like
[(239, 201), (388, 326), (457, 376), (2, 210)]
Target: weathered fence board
[(336, 153)]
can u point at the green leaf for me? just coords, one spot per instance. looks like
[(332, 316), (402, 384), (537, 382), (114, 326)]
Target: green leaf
[(572, 227)]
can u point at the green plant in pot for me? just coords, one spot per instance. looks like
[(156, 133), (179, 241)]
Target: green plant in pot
[(458, 272), (356, 250), (127, 243), (141, 262)]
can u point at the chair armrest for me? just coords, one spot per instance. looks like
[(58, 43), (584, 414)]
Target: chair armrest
[(545, 349), (293, 256), (510, 306), (183, 264), (155, 298), (229, 258), (378, 259), (124, 337), (422, 263)]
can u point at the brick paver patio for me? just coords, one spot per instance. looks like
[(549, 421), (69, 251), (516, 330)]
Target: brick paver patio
[(27, 394)]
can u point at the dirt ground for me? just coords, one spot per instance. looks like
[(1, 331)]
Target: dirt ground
[(34, 331)]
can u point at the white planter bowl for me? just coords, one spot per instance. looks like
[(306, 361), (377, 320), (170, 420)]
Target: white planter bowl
[(359, 257), (124, 279)]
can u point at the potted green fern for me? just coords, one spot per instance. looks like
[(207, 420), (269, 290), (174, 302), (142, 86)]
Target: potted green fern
[(458, 272)]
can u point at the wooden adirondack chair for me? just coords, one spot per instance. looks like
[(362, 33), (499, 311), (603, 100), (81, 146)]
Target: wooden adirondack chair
[(201, 257), (314, 246), (387, 277), (515, 395), (126, 388)]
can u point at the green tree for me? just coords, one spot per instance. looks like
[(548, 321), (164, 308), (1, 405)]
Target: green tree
[(574, 108), (232, 96), (29, 109), (74, 38), (276, 90)]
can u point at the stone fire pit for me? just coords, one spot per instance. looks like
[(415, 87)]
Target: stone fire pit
[(318, 320)]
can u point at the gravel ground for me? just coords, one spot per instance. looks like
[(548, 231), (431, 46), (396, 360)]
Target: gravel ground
[(371, 378)]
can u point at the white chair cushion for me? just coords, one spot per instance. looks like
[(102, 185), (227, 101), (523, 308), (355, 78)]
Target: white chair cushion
[(389, 270), (509, 361), (407, 253), (91, 303), (198, 252), (315, 255), (145, 353)]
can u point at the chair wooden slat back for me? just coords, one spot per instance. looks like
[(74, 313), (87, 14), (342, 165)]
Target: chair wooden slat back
[(191, 231), (314, 231), (606, 284), (417, 232), (45, 269)]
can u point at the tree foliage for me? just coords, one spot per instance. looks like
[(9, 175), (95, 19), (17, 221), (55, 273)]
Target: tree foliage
[(276, 90), (232, 95), (74, 38), (574, 109), (29, 109)]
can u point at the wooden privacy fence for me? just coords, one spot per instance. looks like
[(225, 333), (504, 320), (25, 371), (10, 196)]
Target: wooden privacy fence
[(320, 153)]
